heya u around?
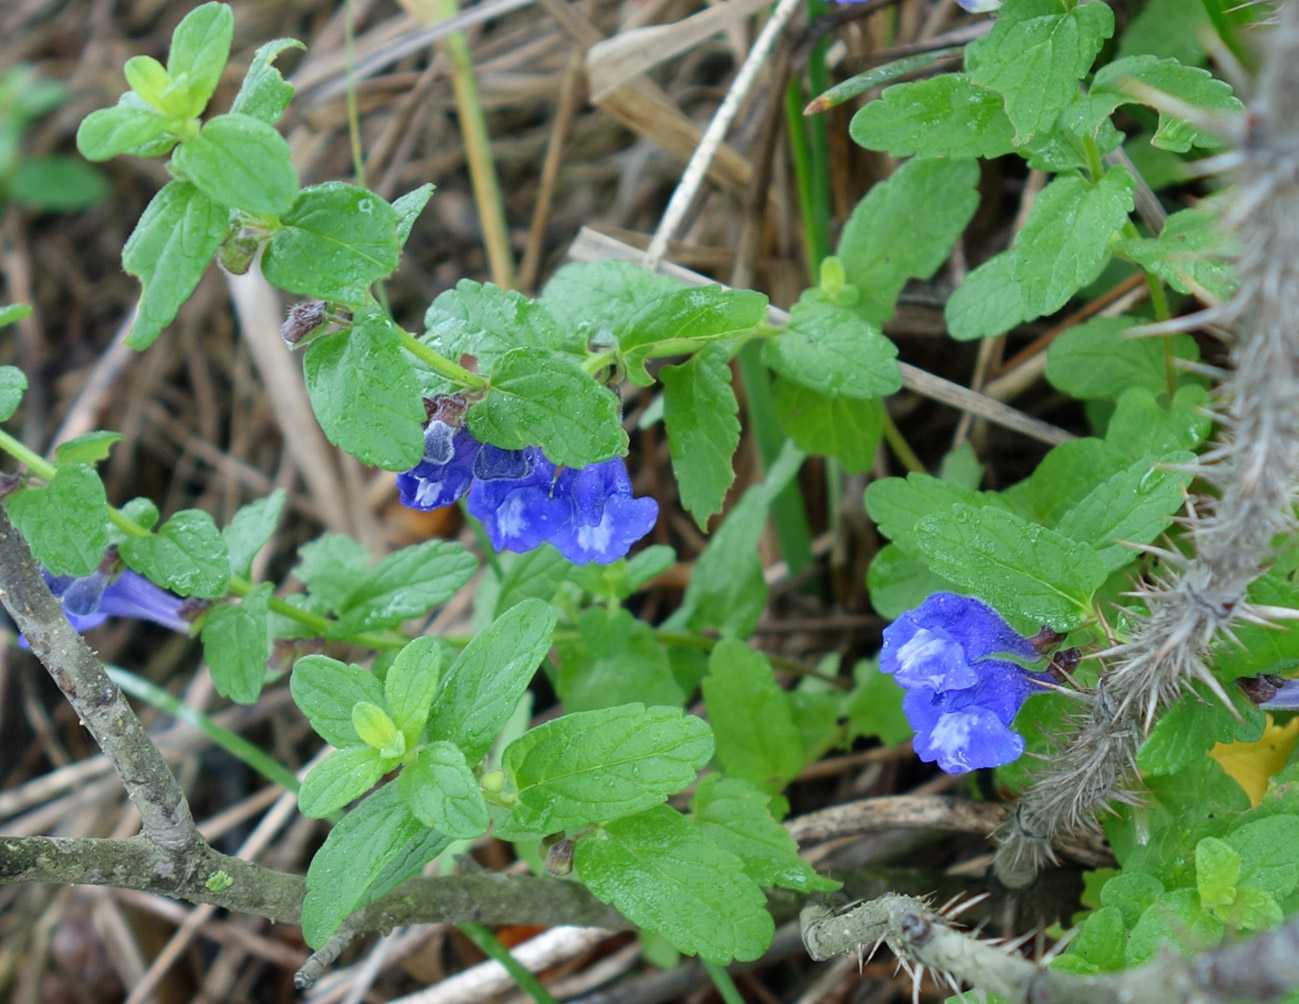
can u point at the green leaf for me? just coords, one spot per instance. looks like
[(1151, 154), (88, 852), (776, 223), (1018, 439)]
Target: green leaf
[(408, 208), (666, 875), (378, 844), (1142, 425), (12, 313), (13, 384), (88, 448), (1066, 474), (241, 162), (57, 184), (1174, 922), (485, 321), (1036, 63), (1065, 242), (699, 410), (600, 301), (944, 116), (615, 660), (1253, 909), (897, 504), (443, 793), (342, 776), (597, 765), (124, 128), (1190, 84), (886, 242), (735, 814), (237, 645), (405, 584), (326, 690), (899, 581), (64, 523), (1017, 566), (1217, 869), (265, 94), (1093, 359), (251, 528), (410, 686), (376, 730), (147, 77), (537, 397), (756, 737), (335, 243), (534, 574), (170, 247), (833, 351), (989, 302), (1187, 731), (480, 690), (841, 427), (364, 393), (331, 567), (200, 46), (874, 708), (676, 322), (1100, 941), (1269, 853), (1131, 893), (187, 554), (1192, 254)]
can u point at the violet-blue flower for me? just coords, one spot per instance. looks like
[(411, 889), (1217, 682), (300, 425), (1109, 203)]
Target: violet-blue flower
[(605, 520), (519, 513), (961, 698), (89, 600), (446, 470)]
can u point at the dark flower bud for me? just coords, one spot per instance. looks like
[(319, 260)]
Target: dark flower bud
[(236, 255), (559, 858), (303, 318)]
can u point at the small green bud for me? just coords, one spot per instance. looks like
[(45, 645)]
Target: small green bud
[(219, 881), (494, 781), (149, 79), (377, 730)]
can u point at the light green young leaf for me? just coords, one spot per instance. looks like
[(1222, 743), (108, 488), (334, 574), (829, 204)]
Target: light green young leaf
[(989, 302), (1094, 359), (125, 128), (886, 241), (64, 522), (237, 645), (845, 428), (376, 730), (615, 660), (241, 162), (410, 686), (596, 765), (699, 410), (1192, 254), (944, 116), (833, 351), (170, 247), (756, 737), (88, 448), (539, 397), (480, 690), (13, 384), (331, 567), (1269, 853), (251, 528), (408, 208), (265, 94), (326, 690), (1017, 566), (187, 554), (405, 584), (486, 322), (443, 793), (338, 779), (1065, 242), (200, 46), (1217, 869), (668, 876)]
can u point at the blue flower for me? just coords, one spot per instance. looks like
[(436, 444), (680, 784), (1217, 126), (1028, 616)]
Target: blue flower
[(445, 472), (960, 698), (89, 600), (519, 513)]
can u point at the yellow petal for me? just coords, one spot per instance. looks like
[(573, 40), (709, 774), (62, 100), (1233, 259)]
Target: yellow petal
[(1251, 764)]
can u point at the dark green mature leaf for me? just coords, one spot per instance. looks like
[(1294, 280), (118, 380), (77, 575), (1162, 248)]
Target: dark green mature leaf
[(735, 814), (1065, 242), (756, 737), (1192, 254), (600, 301), (334, 243), (1190, 728), (326, 690), (615, 660), (845, 428), (13, 384), (678, 321), (833, 351), (124, 128), (241, 162), (699, 410), (338, 779), (187, 554), (534, 574), (88, 448), (1142, 424), (265, 94), (1036, 62), (64, 523), (237, 645), (897, 504), (486, 322), (365, 395), (443, 793), (944, 116), (1190, 84), (378, 844), (200, 46), (1017, 566), (590, 766), (251, 528), (405, 584), (1094, 359), (170, 247), (331, 566), (899, 581), (887, 240), (989, 302), (1067, 473), (538, 397), (411, 684), (668, 876), (481, 689)]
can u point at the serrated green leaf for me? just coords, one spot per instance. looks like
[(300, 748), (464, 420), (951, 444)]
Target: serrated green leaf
[(1187, 731), (237, 645), (874, 707), (410, 686), (1190, 84), (13, 384), (1066, 474), (241, 162), (480, 690), (1017, 566), (331, 567), (1100, 940), (614, 660), (170, 247), (676, 322), (944, 116), (378, 845), (251, 528), (899, 581), (1142, 425), (265, 94), (537, 397), (886, 241), (897, 504), (989, 302), (125, 128), (485, 321), (408, 208), (1174, 921), (334, 243), (665, 875), (1036, 63), (1217, 869), (833, 351), (64, 522), (600, 301), (756, 737), (88, 448), (187, 555), (534, 574), (443, 793), (1192, 254), (592, 766), (405, 584), (1094, 359), (57, 184), (326, 690), (841, 427), (342, 776), (200, 46), (1269, 853), (699, 410), (1065, 242)]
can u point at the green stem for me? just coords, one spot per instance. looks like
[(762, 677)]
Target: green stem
[(815, 247), (39, 465), (491, 946), (439, 363), (1158, 300), (900, 447), (726, 987)]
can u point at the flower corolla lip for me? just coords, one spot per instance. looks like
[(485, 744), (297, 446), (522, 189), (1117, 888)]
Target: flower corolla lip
[(89, 600), (962, 693), (446, 470), (1286, 697)]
